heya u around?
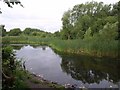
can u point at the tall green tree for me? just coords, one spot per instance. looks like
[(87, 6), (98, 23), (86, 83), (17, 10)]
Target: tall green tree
[(91, 15), (88, 34), (67, 25), (109, 32), (15, 32), (27, 31)]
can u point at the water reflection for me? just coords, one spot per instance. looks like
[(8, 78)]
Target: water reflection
[(43, 48), (91, 70), (82, 71)]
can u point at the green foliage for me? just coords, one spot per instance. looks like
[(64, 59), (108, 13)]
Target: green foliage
[(92, 15), (109, 31), (27, 31), (91, 45), (89, 28), (111, 19), (25, 40), (88, 34), (36, 32), (95, 27), (56, 34), (2, 30), (15, 32), (12, 72), (7, 65), (67, 25)]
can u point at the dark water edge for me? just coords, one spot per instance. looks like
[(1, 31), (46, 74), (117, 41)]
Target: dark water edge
[(87, 70)]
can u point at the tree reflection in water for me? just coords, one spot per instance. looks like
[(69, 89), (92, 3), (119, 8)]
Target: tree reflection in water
[(89, 69)]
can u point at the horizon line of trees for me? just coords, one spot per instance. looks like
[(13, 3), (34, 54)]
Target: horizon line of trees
[(84, 21), (26, 31)]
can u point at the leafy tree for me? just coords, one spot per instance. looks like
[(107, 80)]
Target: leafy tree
[(10, 3), (109, 31), (67, 25), (57, 34), (77, 31), (27, 31), (88, 33), (35, 32), (115, 9), (15, 32), (91, 15), (97, 25), (85, 21), (111, 19)]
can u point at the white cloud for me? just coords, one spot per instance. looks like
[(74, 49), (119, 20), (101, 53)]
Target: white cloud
[(43, 14)]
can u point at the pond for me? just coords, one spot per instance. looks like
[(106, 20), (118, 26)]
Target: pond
[(78, 70)]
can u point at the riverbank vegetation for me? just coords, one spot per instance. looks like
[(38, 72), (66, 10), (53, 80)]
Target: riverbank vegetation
[(90, 28), (78, 46), (15, 77), (12, 73)]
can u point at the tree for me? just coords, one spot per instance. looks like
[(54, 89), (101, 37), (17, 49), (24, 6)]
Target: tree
[(88, 33), (27, 31), (15, 32), (77, 31), (115, 10), (91, 15), (10, 3), (67, 25), (57, 34), (109, 32), (97, 25), (111, 19), (85, 21)]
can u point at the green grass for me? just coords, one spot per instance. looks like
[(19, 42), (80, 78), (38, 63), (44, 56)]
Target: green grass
[(89, 47), (94, 47)]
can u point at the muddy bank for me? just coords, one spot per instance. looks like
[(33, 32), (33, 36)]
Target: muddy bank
[(36, 82)]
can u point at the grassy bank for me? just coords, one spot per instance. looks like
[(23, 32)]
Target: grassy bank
[(93, 47), (25, 40)]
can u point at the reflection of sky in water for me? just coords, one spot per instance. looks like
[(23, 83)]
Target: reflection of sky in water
[(43, 61)]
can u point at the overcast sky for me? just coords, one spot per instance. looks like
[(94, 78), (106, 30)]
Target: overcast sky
[(41, 14)]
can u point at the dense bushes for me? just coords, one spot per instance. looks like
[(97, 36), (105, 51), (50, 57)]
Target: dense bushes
[(12, 73)]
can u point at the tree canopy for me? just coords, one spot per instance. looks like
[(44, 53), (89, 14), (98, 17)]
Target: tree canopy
[(15, 32), (90, 18)]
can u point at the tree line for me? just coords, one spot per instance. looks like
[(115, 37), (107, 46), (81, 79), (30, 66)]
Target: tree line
[(84, 21), (89, 20), (26, 32)]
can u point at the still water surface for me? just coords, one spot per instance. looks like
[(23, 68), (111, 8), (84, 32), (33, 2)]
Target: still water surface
[(80, 71)]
